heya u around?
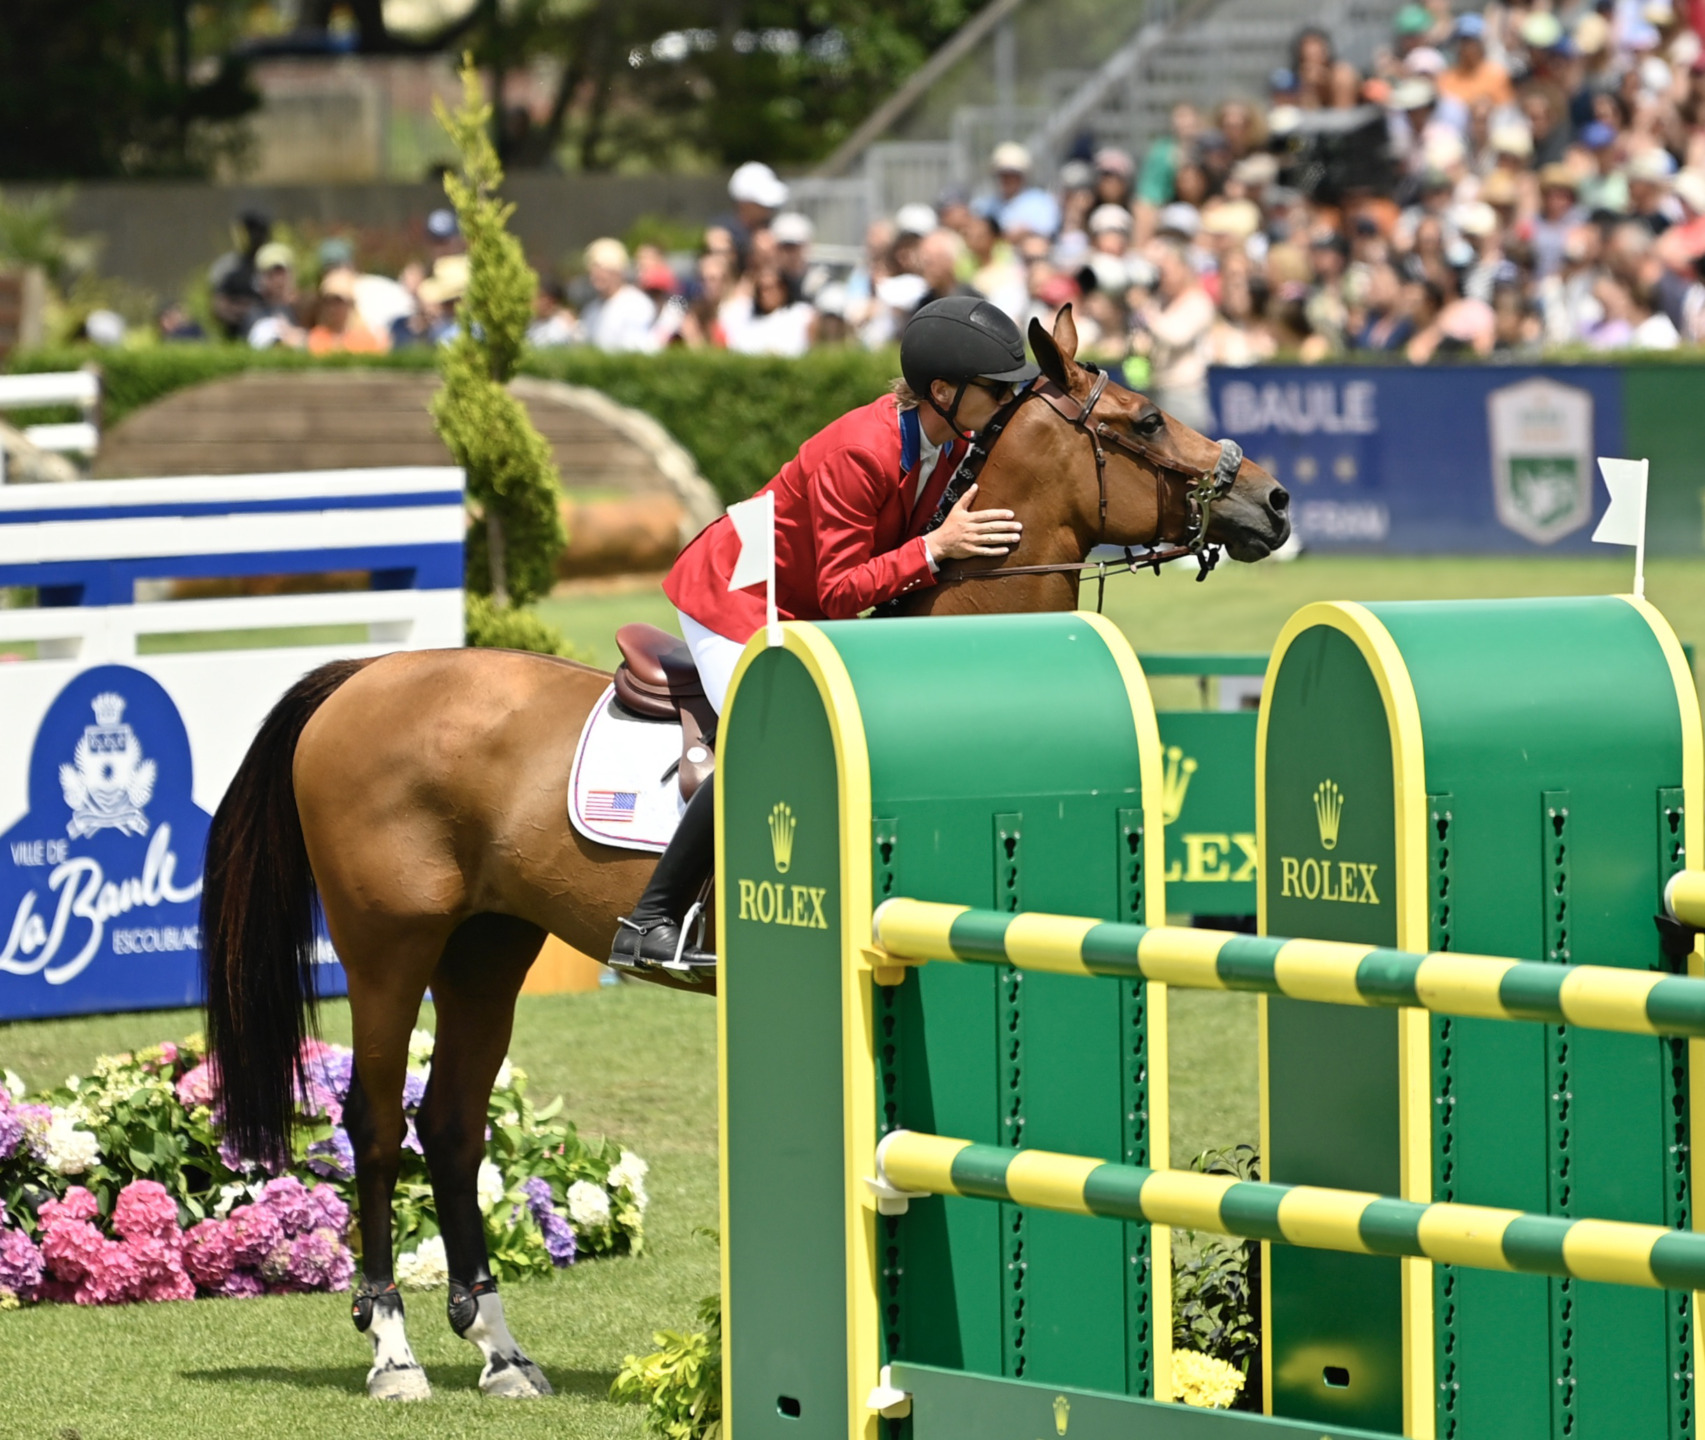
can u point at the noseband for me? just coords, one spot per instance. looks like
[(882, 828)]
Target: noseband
[(1204, 488)]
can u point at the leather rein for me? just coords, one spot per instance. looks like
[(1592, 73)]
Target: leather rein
[(1204, 489)]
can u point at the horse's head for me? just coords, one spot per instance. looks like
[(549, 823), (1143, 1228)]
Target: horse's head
[(1151, 462)]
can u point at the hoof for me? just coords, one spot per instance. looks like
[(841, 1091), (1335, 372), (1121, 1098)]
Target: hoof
[(398, 1382), (517, 1378)]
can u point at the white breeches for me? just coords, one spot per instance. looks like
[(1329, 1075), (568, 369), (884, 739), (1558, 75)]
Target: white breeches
[(715, 655)]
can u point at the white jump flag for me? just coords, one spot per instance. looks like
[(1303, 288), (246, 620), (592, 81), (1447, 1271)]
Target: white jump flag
[(1624, 523), (755, 524)]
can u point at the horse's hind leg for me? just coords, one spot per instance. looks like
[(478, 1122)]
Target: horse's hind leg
[(474, 989), (386, 984)]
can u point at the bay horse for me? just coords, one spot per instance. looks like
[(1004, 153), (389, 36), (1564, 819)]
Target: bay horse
[(419, 801)]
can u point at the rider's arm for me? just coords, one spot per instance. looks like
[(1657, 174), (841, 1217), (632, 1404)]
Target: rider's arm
[(846, 493)]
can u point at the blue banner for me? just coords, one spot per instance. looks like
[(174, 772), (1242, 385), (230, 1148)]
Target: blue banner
[(1452, 459), (100, 881)]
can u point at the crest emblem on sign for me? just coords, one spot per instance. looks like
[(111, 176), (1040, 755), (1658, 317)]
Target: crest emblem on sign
[(1541, 458), (108, 781)]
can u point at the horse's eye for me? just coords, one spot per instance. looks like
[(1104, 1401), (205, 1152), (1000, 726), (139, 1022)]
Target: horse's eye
[(1151, 424)]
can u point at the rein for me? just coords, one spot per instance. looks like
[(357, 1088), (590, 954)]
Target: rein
[(1205, 488)]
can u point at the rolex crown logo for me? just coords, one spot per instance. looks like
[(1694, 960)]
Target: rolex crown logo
[(1062, 1414), (781, 836), (1175, 782), (1328, 807)]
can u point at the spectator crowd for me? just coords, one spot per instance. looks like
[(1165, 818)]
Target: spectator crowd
[(1498, 182)]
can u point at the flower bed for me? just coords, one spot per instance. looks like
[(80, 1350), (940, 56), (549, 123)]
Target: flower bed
[(119, 1187)]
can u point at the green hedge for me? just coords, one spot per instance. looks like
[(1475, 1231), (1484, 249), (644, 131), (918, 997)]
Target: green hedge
[(739, 416)]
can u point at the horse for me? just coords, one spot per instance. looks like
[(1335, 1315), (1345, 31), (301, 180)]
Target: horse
[(417, 802)]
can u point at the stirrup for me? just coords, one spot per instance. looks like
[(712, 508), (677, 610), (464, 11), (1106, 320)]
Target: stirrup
[(678, 958)]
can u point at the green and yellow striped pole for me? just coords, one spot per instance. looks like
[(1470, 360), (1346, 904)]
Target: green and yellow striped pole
[(1595, 997), (1684, 897), (1473, 1235)]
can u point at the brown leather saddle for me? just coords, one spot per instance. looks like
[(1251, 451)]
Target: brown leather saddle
[(657, 680)]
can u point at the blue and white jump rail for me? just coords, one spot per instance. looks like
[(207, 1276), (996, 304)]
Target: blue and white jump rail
[(113, 760)]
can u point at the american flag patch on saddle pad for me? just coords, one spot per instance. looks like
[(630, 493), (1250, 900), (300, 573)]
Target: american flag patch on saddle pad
[(622, 789)]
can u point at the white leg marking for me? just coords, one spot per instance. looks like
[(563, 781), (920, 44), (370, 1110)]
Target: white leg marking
[(396, 1374), (508, 1372)]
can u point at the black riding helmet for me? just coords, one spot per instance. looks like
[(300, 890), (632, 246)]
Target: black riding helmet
[(961, 339)]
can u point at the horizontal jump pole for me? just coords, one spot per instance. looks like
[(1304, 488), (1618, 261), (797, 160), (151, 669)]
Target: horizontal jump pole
[(1476, 1236), (1595, 997), (1684, 897)]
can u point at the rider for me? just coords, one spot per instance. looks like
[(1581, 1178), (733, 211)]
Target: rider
[(850, 512)]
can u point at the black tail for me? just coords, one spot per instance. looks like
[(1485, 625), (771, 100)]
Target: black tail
[(257, 928)]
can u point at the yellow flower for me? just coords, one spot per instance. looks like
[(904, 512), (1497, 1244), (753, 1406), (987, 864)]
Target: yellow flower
[(1203, 1381)]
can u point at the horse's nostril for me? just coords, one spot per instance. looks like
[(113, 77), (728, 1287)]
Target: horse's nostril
[(1280, 499)]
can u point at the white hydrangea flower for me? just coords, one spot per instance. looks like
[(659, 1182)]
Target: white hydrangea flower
[(13, 1082), (73, 1082), (490, 1186), (420, 1043), (629, 1174), (64, 1148), (508, 1117), (229, 1196), (505, 1075), (425, 1268), (588, 1205)]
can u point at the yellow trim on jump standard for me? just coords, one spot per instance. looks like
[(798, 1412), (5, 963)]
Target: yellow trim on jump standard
[(1466, 1235), (1176, 956), (1154, 911), (1322, 970), (1049, 1181), (1603, 998), (812, 648), (1049, 943), (1324, 1219), (1693, 838), (1409, 795)]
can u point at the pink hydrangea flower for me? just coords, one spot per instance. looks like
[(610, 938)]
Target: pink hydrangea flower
[(329, 1210), (287, 1198), (173, 1285), (255, 1232), (71, 1247), (196, 1087), (208, 1253), (78, 1204), (145, 1209), (113, 1276)]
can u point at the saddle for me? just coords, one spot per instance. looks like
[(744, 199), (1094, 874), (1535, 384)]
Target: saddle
[(657, 680)]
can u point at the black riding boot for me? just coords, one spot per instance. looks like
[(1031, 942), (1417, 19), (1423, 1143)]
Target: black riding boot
[(651, 936)]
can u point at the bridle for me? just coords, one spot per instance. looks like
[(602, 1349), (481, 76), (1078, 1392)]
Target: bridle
[(1205, 487)]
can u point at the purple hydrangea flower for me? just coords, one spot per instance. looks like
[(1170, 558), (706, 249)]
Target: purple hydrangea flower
[(559, 1239), (414, 1091), (558, 1233), (20, 1264), (11, 1130), (328, 1209), (333, 1157), (411, 1141)]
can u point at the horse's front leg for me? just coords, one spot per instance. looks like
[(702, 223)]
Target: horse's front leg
[(378, 1306), (475, 999)]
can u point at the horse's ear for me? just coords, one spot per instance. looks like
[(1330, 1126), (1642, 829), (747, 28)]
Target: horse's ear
[(1054, 364), (1065, 334)]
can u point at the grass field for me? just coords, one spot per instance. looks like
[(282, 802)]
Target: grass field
[(639, 1064)]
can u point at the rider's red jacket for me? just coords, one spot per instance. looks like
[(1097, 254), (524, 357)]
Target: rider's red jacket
[(849, 528)]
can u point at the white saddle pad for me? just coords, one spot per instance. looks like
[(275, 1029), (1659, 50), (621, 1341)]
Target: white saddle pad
[(622, 790)]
